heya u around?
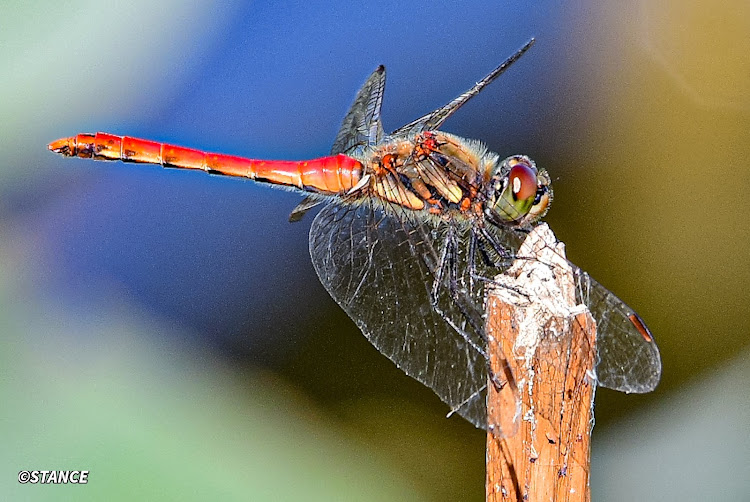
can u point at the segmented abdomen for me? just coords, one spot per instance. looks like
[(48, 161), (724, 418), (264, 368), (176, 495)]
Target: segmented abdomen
[(330, 175)]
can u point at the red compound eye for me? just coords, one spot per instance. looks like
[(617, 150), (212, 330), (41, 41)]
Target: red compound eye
[(522, 181)]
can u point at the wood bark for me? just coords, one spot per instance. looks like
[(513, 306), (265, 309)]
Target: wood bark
[(541, 384)]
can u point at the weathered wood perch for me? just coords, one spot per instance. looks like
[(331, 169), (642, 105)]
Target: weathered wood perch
[(540, 450)]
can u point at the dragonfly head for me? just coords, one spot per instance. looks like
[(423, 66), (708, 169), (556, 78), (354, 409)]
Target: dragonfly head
[(518, 194)]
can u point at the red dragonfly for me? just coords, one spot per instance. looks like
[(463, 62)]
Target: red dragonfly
[(414, 223)]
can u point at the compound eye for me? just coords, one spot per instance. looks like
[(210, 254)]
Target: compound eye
[(522, 181)]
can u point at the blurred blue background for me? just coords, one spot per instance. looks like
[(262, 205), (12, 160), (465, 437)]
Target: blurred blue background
[(166, 331)]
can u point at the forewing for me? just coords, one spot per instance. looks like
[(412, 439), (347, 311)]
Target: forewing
[(629, 359), (361, 126), (435, 119), (379, 266)]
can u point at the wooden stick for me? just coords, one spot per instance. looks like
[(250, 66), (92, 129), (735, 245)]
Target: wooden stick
[(540, 449)]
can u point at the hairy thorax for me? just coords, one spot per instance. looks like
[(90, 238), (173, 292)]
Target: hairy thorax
[(430, 171)]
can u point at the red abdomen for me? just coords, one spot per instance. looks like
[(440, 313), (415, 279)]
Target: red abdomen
[(332, 175)]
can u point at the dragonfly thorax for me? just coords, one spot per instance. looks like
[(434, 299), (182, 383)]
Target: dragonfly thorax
[(451, 177), (430, 171)]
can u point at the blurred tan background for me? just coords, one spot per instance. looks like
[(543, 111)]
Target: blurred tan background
[(166, 330)]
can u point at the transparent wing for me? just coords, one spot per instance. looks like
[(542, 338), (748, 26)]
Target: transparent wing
[(361, 126), (433, 120), (303, 207), (380, 266), (629, 359)]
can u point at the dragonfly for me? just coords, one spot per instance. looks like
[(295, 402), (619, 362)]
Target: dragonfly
[(415, 225)]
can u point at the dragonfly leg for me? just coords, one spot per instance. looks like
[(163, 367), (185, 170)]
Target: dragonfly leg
[(497, 248), (452, 264), (472, 258), (435, 291), (448, 262), (500, 377), (483, 240), (485, 255), (476, 243)]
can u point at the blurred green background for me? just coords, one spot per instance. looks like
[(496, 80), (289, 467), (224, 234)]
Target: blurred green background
[(166, 330)]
